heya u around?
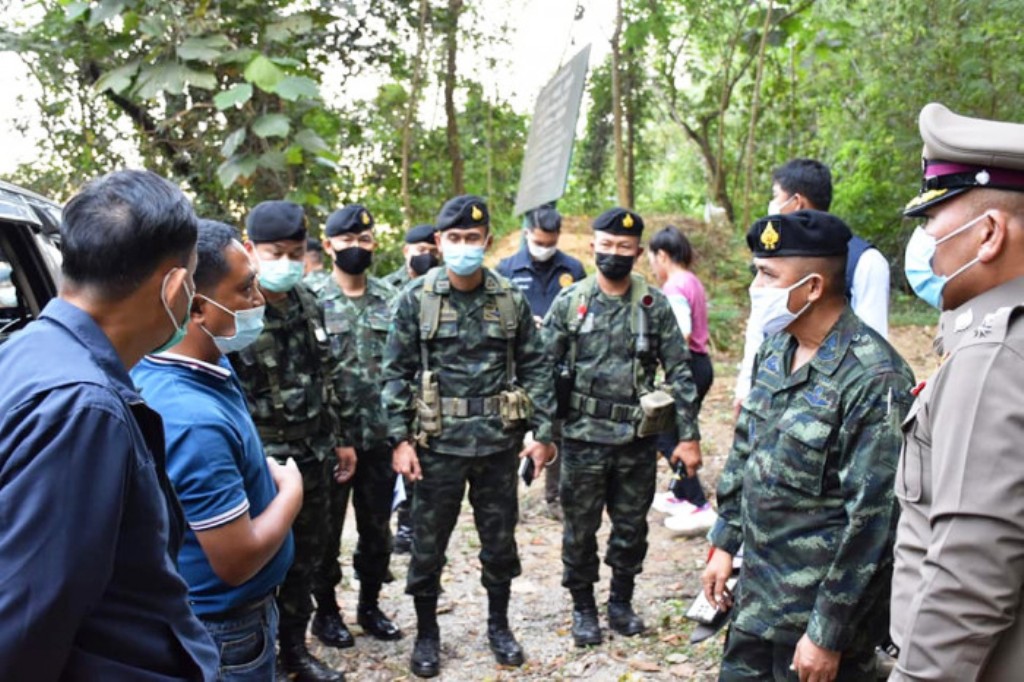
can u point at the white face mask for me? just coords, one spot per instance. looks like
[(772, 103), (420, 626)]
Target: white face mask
[(769, 307), (775, 208), (540, 253)]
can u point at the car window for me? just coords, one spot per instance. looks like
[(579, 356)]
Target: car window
[(14, 314)]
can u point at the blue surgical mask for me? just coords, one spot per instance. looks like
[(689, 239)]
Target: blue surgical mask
[(180, 328), (462, 259), (280, 275), (248, 327), (917, 263)]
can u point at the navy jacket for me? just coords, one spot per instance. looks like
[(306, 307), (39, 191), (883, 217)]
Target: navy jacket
[(541, 282), (89, 525)]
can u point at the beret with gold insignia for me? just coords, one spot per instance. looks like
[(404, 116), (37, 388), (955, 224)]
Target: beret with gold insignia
[(272, 221), (619, 221), (963, 153), (463, 212), (805, 233), (351, 219)]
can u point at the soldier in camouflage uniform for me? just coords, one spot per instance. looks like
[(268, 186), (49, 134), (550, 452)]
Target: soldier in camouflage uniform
[(607, 335), (465, 338), (420, 253), (808, 487), (357, 314), (316, 275), (286, 382)]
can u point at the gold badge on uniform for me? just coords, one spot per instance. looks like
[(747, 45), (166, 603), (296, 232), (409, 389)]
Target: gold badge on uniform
[(627, 221), (477, 213), (770, 238), (564, 280), (365, 217)]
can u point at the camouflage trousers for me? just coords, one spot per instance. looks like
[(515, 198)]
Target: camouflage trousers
[(310, 534), (620, 478), (747, 657), (371, 489), (436, 503)]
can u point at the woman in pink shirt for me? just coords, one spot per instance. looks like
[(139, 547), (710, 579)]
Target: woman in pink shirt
[(670, 256)]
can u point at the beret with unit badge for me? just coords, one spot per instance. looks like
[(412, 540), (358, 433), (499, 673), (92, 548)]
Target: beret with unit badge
[(351, 219), (806, 233), (272, 221), (547, 219), (463, 212), (963, 153), (619, 221), (420, 234)]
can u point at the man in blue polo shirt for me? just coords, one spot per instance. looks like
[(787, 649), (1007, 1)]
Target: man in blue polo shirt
[(541, 270), (239, 504), (89, 525)]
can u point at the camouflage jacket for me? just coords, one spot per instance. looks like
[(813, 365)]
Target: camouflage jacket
[(808, 489), (605, 356), (398, 279), (468, 353), (358, 329), (285, 378)]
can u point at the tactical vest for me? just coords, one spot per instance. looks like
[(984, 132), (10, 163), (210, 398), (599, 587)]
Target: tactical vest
[(264, 351)]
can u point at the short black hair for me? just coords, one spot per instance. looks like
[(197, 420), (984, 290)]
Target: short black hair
[(120, 227), (211, 253), (809, 178), (673, 242)]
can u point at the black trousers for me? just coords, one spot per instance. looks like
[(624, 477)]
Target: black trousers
[(688, 488)]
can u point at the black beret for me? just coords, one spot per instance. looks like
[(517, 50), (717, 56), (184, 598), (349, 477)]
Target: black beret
[(314, 245), (462, 212), (421, 234), (547, 219), (350, 219), (272, 221), (805, 233), (619, 221)]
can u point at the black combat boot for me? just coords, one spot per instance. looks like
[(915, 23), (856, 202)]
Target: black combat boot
[(370, 617), (586, 631), (426, 653), (621, 616), (328, 625), (304, 666), (501, 640)]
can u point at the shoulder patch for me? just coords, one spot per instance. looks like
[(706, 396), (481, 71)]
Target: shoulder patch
[(565, 279)]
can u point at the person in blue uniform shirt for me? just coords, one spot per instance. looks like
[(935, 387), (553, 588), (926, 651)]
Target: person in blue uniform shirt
[(91, 526), (239, 504), (541, 271)]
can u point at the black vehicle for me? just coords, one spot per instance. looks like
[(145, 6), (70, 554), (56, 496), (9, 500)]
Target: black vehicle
[(29, 256)]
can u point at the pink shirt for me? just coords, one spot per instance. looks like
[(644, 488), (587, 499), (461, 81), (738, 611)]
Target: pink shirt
[(690, 304)]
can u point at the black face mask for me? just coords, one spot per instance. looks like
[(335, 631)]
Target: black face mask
[(354, 260), (423, 262), (614, 266)]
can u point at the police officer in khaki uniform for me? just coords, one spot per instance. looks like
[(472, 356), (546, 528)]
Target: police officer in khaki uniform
[(956, 602)]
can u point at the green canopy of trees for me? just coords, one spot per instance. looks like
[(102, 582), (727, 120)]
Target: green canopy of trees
[(247, 100)]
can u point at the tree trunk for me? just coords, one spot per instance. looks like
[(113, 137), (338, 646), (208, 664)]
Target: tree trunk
[(620, 155), (754, 106), (631, 116), (454, 152), (410, 111)]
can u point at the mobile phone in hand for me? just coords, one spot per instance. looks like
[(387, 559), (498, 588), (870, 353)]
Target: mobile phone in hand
[(526, 469)]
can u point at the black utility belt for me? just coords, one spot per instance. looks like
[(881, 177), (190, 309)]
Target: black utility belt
[(603, 409), (478, 406)]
